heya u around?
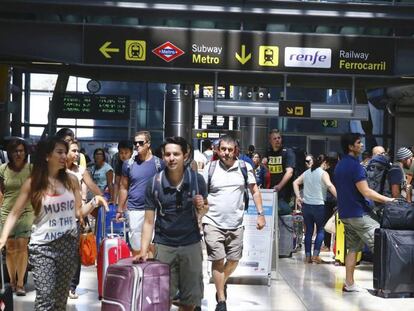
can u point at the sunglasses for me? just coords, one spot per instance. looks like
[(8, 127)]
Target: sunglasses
[(140, 142), (308, 161)]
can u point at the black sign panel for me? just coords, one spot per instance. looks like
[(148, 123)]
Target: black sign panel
[(294, 109), (235, 50), (89, 106)]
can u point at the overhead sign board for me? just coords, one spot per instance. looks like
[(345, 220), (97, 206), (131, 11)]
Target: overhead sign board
[(90, 106), (214, 134), (294, 109), (217, 50)]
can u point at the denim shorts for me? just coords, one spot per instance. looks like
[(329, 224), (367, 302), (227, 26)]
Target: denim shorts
[(360, 231)]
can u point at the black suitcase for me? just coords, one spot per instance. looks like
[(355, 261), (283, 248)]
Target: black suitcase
[(6, 294), (394, 263)]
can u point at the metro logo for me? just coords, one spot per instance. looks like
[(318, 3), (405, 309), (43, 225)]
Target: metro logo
[(168, 51), (308, 57)]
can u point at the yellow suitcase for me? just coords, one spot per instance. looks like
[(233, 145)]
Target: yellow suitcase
[(340, 245)]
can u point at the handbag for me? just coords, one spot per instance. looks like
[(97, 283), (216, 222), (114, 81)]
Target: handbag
[(398, 215), (87, 249), (330, 225)]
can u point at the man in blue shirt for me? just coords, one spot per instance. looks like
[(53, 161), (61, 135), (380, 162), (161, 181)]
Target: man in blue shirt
[(352, 189), (136, 173)]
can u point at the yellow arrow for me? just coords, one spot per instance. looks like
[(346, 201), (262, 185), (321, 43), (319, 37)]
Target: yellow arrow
[(289, 110), (105, 49), (243, 58)]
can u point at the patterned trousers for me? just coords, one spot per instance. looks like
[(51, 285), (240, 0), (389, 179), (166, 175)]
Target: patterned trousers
[(53, 265)]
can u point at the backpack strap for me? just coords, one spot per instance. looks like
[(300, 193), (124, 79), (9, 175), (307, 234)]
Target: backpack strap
[(243, 168), (211, 170), (156, 188)]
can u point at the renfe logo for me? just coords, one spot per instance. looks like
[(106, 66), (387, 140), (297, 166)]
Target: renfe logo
[(307, 57), (168, 51)]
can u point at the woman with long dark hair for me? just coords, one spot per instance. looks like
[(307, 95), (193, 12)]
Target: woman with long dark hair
[(315, 183), (53, 249), (12, 177)]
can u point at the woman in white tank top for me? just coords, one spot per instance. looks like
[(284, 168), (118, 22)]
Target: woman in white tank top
[(315, 184), (56, 202), (85, 183)]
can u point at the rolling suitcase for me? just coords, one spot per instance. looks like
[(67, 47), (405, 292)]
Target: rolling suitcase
[(118, 227), (340, 248), (286, 235), (6, 294), (111, 250), (143, 286), (394, 263)]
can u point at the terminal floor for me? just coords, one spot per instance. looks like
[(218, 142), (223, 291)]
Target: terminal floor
[(298, 287)]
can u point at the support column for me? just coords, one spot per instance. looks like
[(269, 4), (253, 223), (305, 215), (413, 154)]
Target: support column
[(179, 111), (254, 129), (4, 101), (16, 122)]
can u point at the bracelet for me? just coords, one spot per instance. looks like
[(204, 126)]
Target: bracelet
[(94, 203)]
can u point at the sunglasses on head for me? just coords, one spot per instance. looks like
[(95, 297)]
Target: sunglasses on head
[(140, 142)]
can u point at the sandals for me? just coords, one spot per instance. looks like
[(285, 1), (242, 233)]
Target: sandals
[(20, 291)]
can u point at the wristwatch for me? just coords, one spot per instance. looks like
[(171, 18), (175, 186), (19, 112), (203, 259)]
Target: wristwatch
[(260, 213)]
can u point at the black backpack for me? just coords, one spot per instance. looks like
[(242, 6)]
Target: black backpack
[(377, 172)]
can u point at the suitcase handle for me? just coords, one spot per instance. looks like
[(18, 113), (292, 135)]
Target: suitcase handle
[(142, 261), (112, 226), (3, 287)]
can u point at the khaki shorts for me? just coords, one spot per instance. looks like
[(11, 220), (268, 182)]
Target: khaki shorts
[(186, 264), (135, 222), (223, 243), (360, 231)]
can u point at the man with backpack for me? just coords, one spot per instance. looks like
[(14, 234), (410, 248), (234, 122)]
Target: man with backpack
[(135, 175), (227, 179), (177, 197)]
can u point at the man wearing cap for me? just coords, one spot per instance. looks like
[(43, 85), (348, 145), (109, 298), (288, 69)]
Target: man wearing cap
[(396, 175)]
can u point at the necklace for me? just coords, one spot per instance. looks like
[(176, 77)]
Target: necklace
[(53, 185)]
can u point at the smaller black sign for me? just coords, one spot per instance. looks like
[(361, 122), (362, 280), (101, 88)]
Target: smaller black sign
[(89, 106), (294, 109)]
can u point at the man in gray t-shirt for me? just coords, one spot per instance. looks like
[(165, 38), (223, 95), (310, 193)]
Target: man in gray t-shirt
[(223, 223)]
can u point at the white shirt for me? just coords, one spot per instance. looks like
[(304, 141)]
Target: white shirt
[(56, 217), (225, 198)]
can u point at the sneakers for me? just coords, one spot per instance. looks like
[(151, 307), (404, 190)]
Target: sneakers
[(352, 288), (221, 306), (73, 295)]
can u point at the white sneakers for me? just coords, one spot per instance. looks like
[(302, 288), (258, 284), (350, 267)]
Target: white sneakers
[(352, 288)]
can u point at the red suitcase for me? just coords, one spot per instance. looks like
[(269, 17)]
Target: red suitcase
[(111, 250), (143, 286)]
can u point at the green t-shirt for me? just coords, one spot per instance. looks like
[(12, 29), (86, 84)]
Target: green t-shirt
[(12, 182)]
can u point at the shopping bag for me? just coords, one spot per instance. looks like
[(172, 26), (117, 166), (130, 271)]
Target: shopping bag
[(330, 225), (87, 249)]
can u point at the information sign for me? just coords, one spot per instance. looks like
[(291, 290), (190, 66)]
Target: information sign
[(213, 49), (90, 106), (257, 244), (294, 109)]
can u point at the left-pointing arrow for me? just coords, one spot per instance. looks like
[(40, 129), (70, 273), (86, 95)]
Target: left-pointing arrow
[(105, 49)]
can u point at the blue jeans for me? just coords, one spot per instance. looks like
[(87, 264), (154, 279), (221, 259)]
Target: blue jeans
[(313, 214)]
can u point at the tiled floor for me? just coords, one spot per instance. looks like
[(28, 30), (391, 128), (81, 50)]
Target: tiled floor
[(298, 287)]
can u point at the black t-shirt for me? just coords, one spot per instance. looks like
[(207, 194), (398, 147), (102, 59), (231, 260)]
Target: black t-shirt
[(278, 161), (176, 222)]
